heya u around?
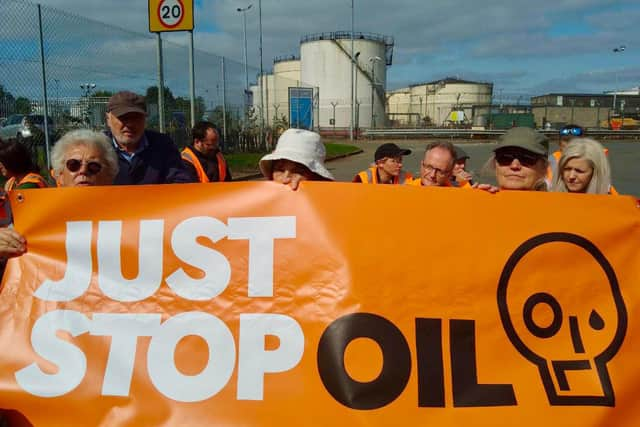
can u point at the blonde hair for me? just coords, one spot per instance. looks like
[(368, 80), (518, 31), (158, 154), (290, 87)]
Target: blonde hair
[(594, 153)]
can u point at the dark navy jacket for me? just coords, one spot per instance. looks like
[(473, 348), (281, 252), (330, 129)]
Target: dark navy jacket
[(158, 163)]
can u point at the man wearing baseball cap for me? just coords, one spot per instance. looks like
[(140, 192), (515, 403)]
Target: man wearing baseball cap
[(387, 168), (460, 177), (144, 156)]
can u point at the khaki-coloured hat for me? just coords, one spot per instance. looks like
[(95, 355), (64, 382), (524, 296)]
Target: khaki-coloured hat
[(125, 102), (525, 138)]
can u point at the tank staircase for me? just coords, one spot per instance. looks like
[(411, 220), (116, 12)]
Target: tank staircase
[(377, 87)]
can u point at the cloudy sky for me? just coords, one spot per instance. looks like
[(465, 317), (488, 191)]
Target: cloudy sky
[(522, 46)]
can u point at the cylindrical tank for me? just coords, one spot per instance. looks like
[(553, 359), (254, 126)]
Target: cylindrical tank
[(286, 74), (326, 64), (268, 97)]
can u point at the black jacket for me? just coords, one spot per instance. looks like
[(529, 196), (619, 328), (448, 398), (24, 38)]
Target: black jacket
[(158, 163), (209, 164)]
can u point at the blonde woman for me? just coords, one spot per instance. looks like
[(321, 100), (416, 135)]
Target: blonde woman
[(583, 168)]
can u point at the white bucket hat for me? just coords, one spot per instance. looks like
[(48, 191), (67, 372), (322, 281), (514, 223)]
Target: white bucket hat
[(300, 146)]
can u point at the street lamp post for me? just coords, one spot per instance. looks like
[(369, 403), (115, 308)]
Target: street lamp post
[(244, 32), (261, 74), (353, 73), (373, 61), (246, 74), (618, 49), (356, 108)]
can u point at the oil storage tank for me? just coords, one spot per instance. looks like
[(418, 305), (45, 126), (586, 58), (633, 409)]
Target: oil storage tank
[(286, 75), (326, 64)]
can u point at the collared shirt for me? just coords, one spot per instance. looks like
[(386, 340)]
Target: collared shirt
[(125, 154)]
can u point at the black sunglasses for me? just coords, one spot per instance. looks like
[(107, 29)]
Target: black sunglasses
[(74, 165), (525, 159), (571, 131)]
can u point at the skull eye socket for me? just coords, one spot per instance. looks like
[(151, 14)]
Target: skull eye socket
[(527, 313)]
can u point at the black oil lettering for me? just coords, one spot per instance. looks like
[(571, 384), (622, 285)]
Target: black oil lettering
[(430, 363), (396, 367), (466, 390)]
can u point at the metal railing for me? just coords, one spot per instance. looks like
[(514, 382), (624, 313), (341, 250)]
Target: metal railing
[(469, 133)]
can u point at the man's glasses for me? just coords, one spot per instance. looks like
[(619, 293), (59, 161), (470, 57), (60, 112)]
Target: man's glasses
[(74, 165), (525, 159), (571, 132), (439, 172)]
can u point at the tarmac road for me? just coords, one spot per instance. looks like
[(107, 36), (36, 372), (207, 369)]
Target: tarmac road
[(624, 157)]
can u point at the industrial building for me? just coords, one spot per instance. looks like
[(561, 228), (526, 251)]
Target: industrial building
[(442, 102), (321, 82), (313, 90), (326, 63), (587, 110)]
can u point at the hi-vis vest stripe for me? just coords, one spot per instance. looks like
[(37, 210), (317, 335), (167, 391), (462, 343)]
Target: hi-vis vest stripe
[(370, 176), (190, 157), (31, 178)]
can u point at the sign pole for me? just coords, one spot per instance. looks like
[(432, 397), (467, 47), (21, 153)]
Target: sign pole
[(160, 84), (192, 80), (44, 90)]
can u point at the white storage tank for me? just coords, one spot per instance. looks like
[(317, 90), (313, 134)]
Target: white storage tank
[(286, 74), (326, 64), (437, 99), (266, 84)]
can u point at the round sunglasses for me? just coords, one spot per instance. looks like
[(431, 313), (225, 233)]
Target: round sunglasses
[(74, 165)]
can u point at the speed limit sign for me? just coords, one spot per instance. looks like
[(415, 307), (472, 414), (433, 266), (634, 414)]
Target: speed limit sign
[(170, 15)]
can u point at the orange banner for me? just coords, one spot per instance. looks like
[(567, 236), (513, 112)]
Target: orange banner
[(338, 304)]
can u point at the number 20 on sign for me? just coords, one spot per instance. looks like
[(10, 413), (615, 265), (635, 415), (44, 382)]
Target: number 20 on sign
[(170, 15)]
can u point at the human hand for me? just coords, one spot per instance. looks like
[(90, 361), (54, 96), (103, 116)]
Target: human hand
[(12, 243), (463, 175), (486, 187)]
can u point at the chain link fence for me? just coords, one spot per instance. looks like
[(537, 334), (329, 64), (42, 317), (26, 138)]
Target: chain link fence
[(73, 64)]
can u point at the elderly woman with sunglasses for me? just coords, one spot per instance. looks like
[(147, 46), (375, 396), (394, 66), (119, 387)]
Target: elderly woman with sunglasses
[(84, 158), (519, 161), (80, 158)]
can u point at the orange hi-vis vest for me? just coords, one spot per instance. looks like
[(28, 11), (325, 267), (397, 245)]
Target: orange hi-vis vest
[(30, 178), (554, 161), (188, 155), (370, 176)]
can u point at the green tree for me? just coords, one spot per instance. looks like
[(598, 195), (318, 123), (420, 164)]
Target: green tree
[(23, 105), (6, 102), (102, 94)]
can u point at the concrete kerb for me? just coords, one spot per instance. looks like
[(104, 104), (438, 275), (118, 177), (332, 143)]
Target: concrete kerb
[(252, 176)]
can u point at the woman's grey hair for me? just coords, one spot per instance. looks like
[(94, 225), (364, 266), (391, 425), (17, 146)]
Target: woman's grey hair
[(593, 152), (89, 138)]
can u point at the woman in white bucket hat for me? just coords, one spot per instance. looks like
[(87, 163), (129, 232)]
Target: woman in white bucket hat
[(299, 156)]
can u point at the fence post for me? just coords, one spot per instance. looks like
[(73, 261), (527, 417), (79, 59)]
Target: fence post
[(44, 88), (224, 103), (160, 84)]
